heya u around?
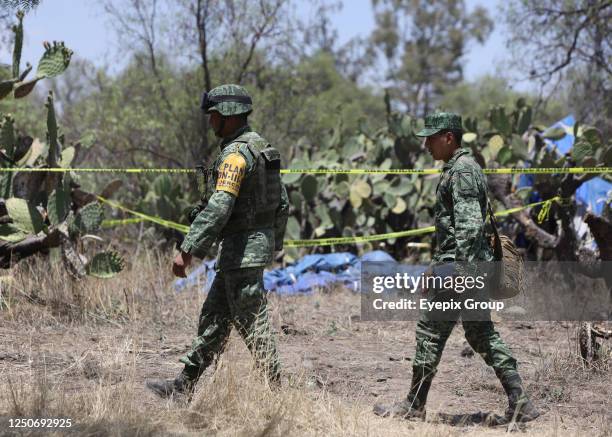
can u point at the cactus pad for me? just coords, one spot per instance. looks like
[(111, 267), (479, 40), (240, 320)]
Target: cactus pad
[(25, 217), (9, 232), (309, 187), (105, 265), (58, 205), (88, 139), (87, 220), (54, 61), (6, 86), (18, 30), (52, 132), (67, 157)]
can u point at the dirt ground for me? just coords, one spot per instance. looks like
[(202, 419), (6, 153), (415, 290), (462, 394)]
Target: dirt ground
[(335, 368)]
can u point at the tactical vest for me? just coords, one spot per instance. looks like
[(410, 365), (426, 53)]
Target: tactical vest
[(260, 191)]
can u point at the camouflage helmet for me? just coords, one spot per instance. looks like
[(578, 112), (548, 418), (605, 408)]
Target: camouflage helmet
[(227, 100)]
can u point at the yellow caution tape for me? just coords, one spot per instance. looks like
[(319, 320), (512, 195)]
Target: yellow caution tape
[(351, 171), (531, 205), (326, 241), (409, 233), (97, 170), (358, 240), (428, 171), (167, 223), (545, 210), (118, 222)]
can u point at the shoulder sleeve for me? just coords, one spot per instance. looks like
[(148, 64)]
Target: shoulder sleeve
[(231, 170), (469, 222)]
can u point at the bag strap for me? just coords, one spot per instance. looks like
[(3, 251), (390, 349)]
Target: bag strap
[(497, 248)]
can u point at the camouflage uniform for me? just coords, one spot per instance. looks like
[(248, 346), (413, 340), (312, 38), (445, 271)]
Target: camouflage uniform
[(247, 213), (460, 212), (237, 295)]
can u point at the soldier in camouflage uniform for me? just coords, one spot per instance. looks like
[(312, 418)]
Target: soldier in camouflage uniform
[(460, 212), (247, 212)]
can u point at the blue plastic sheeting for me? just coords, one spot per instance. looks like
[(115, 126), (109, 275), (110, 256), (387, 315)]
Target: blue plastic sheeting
[(593, 194), (310, 272)]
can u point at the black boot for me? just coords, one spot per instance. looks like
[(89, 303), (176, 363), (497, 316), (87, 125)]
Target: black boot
[(520, 407), (166, 388), (414, 404)]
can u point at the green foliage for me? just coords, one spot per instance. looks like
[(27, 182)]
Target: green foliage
[(105, 265), (348, 205), (343, 205), (423, 43), (165, 198)]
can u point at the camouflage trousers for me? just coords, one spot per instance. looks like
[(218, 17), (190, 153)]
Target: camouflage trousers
[(237, 298), (434, 328)]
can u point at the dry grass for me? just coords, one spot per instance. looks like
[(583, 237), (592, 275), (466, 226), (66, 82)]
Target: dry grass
[(83, 350)]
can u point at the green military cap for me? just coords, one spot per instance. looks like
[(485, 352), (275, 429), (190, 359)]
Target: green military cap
[(434, 123)]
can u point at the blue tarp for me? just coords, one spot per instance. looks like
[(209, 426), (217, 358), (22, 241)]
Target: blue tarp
[(593, 194), (312, 271)]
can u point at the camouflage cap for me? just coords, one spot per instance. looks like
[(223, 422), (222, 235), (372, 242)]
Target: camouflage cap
[(434, 123), (227, 100)]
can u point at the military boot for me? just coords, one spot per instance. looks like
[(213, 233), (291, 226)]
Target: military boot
[(414, 404), (520, 407), (166, 388)]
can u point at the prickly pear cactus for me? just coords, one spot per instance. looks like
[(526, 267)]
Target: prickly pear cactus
[(55, 149), (165, 199), (105, 265), (54, 61), (88, 219), (25, 217), (38, 203), (59, 203)]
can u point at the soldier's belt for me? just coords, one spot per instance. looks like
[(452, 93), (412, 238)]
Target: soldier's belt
[(350, 171)]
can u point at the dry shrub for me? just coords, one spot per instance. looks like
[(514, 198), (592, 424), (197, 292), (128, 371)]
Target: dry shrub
[(45, 288), (108, 405)]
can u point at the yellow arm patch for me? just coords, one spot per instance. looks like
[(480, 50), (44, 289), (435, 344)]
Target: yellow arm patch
[(231, 173)]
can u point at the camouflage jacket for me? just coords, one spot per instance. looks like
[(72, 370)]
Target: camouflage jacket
[(460, 212), (249, 248)]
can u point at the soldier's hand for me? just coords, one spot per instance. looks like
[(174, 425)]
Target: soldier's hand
[(181, 262)]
